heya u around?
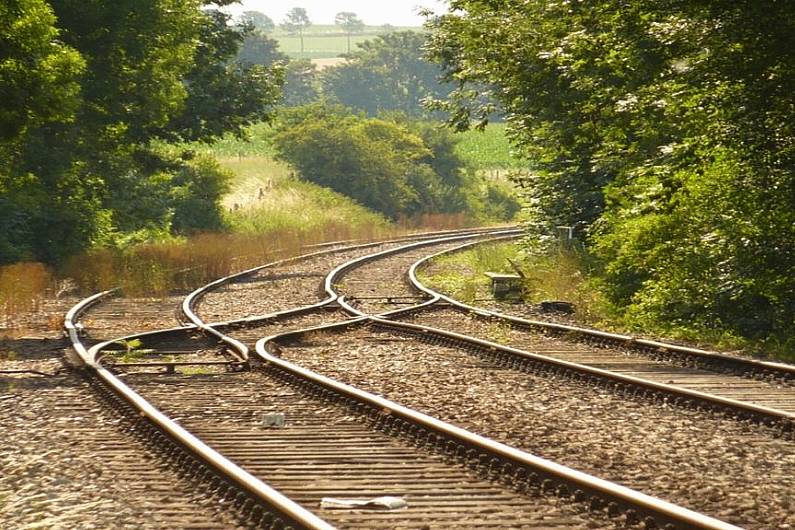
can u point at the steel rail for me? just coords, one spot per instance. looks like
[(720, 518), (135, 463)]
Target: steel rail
[(335, 274), (577, 482), (769, 416), (258, 491), (755, 366), (580, 483), (526, 465), (190, 301)]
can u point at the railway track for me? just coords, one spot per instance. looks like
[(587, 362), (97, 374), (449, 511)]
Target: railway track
[(123, 315), (69, 460), (310, 447), (226, 413), (287, 283), (313, 314), (767, 384), (614, 360), (178, 349), (690, 457), (625, 384)]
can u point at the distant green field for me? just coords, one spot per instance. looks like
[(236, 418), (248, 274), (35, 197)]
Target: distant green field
[(488, 149), (324, 41)]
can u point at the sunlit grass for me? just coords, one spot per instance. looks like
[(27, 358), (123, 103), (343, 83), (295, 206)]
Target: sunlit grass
[(255, 143), (560, 275), (255, 178), (22, 287), (564, 274), (488, 149), (319, 46), (301, 206)]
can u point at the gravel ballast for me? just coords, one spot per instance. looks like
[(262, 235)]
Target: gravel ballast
[(276, 289), (66, 462), (733, 471)]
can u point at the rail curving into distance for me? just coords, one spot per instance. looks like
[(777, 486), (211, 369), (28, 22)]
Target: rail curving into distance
[(256, 492), (508, 463), (499, 461)]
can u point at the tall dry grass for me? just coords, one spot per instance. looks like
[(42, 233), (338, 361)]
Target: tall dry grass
[(159, 269), (436, 221), (181, 266), (23, 286)]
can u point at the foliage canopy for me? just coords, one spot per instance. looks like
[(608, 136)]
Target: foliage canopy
[(664, 129), (87, 87)]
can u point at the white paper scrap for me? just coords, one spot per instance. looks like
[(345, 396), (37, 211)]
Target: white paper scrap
[(384, 503)]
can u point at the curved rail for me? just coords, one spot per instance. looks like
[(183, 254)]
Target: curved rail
[(511, 461), (477, 451), (753, 366), (256, 490), (190, 301), (522, 466), (784, 420)]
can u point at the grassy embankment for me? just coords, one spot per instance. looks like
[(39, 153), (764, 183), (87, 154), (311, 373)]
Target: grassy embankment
[(271, 214), (561, 275), (566, 275)]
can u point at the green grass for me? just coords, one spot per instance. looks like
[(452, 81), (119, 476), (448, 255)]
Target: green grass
[(488, 149), (558, 276), (269, 197), (257, 143), (304, 207), (319, 47), (462, 274), (252, 174), (265, 195)]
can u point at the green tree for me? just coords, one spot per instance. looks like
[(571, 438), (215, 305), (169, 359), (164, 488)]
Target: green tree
[(258, 48), (223, 95), (663, 127), (39, 86), (38, 73), (296, 23), (391, 164), (366, 159), (300, 83), (388, 73), (350, 23), (259, 21), (82, 168)]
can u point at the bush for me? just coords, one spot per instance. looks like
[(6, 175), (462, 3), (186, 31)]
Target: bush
[(393, 165), (369, 160)]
